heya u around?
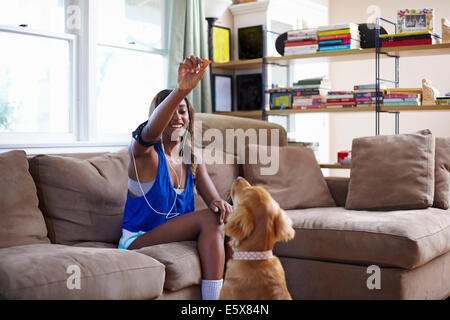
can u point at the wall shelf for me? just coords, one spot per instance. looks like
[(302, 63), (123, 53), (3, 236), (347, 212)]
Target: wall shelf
[(257, 113), (342, 55)]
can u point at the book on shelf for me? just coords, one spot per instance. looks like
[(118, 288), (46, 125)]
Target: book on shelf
[(401, 103), (341, 103), (342, 92), (340, 37), (292, 51), (302, 34), (369, 86), (328, 43), (412, 42), (403, 91), (424, 35), (401, 96), (304, 107), (443, 100), (339, 47), (340, 96), (334, 32), (404, 34), (341, 100), (350, 25), (299, 43), (369, 94), (393, 100)]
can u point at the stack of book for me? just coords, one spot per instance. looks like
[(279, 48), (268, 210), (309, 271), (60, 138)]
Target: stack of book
[(443, 100), (340, 99), (301, 42), (309, 93), (366, 95), (402, 97), (409, 39), (339, 37)]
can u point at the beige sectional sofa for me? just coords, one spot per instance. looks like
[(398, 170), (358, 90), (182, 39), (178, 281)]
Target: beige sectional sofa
[(61, 221)]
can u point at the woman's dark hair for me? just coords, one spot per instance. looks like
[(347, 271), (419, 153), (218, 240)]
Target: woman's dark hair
[(189, 144)]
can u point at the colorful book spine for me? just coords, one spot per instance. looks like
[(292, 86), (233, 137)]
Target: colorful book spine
[(407, 43), (342, 103), (401, 103), (401, 96), (366, 94), (334, 42), (338, 36), (340, 92), (339, 47), (299, 43), (333, 32), (341, 100), (400, 100)]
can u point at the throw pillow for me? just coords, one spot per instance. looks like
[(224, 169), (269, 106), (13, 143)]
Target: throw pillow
[(442, 174), (392, 172), (21, 220), (82, 199), (298, 183), (222, 169)]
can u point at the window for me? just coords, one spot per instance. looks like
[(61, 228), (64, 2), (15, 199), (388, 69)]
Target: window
[(78, 73), (45, 15), (130, 64)]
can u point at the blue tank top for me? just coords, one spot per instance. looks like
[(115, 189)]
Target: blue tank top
[(138, 216)]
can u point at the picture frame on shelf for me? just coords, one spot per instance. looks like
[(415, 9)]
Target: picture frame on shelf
[(249, 91), (414, 20), (251, 42), (222, 93), (221, 42)]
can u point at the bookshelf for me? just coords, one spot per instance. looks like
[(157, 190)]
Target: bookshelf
[(342, 55), (334, 56)]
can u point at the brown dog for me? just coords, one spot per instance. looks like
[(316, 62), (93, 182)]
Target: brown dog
[(257, 222)]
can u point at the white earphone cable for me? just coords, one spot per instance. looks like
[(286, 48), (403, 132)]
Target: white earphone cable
[(168, 214)]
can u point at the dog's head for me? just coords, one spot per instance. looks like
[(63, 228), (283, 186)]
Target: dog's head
[(257, 221)]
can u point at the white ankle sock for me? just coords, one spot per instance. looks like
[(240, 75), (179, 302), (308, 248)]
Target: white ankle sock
[(211, 289)]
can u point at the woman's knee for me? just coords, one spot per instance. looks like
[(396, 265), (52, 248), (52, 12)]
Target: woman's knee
[(210, 223)]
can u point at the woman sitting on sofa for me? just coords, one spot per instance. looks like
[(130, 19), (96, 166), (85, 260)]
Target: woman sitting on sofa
[(160, 200)]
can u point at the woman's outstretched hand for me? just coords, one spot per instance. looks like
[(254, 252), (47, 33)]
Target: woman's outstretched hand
[(190, 72), (221, 207)]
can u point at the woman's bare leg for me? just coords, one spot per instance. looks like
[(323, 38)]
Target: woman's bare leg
[(201, 226)]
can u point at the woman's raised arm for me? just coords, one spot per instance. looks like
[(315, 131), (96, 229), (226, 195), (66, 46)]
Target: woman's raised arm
[(190, 72)]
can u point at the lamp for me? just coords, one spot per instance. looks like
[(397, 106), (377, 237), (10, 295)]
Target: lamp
[(214, 9)]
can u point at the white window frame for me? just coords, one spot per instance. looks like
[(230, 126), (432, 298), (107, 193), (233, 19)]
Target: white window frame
[(83, 136), (22, 139)]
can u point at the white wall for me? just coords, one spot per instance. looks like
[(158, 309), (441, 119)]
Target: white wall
[(343, 75)]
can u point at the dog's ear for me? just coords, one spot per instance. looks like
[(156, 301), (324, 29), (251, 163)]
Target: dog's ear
[(240, 224), (282, 226)]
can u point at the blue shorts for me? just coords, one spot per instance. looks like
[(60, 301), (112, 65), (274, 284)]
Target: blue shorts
[(128, 237)]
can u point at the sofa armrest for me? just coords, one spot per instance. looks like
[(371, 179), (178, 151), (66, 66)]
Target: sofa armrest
[(338, 187)]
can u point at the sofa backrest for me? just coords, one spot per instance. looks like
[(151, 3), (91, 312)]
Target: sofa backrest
[(231, 129)]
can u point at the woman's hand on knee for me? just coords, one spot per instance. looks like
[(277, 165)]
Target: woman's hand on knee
[(221, 207)]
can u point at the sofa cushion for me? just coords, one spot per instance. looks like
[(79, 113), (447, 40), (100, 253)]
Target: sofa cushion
[(392, 172), (21, 220), (405, 239), (298, 182), (222, 169), (442, 174), (104, 273), (183, 268), (232, 134), (82, 199)]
